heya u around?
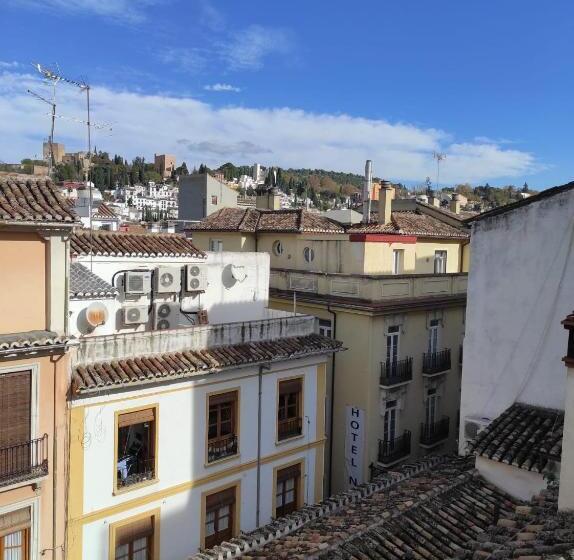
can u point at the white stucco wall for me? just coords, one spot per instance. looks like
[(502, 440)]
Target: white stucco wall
[(520, 288)]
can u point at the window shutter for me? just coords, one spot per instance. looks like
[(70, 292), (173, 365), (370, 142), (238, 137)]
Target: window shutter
[(289, 472), (290, 386), (137, 530), (15, 407), (14, 521), (219, 499), (138, 417), (230, 397)]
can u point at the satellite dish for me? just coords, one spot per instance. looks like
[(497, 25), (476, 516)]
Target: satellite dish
[(96, 314)]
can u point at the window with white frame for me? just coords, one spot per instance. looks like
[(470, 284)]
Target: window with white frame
[(398, 255), (431, 407), (326, 328), (390, 421), (433, 336), (440, 262), (216, 245), (393, 344)]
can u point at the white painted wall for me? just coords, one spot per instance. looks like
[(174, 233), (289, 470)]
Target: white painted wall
[(181, 453), (520, 288)]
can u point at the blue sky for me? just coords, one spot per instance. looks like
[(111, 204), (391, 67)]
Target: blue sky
[(304, 83)]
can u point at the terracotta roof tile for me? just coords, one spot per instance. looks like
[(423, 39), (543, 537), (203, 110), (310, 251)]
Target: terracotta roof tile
[(524, 436), (412, 223), (34, 200), (31, 339), (101, 376), (253, 220), (115, 243), (85, 284), (105, 212)]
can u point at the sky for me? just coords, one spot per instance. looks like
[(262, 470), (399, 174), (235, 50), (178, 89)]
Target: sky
[(304, 83)]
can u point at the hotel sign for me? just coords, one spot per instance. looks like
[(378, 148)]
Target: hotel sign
[(354, 445)]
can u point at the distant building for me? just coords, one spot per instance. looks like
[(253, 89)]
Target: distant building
[(58, 149), (164, 164), (41, 170), (259, 173), (201, 194)]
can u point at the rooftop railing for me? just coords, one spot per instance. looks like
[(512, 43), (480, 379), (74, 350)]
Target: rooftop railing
[(391, 451)]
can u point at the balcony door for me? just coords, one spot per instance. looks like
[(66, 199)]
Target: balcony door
[(390, 423), (433, 336), (392, 348), (431, 407)]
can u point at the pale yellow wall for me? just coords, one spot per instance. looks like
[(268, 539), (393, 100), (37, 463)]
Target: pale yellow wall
[(22, 282), (425, 251), (466, 257), (232, 241)]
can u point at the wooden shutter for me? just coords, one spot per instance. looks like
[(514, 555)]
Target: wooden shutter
[(14, 521), (290, 386), (15, 407), (219, 499), (138, 417), (289, 472), (224, 398), (136, 530)]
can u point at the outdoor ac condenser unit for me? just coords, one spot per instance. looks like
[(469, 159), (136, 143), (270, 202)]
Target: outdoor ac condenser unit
[(167, 280), (137, 282), (135, 314), (196, 277), (473, 425), (166, 316)]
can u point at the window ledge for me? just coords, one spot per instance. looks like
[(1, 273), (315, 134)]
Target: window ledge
[(223, 460), (25, 482), (287, 440), (131, 487)]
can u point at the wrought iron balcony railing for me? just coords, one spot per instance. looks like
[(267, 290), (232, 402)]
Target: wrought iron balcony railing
[(289, 428), (395, 372), (436, 362), (133, 470), (434, 432), (24, 461), (221, 448), (391, 451)]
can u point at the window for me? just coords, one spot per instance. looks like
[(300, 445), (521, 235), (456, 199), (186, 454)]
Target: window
[(325, 328), (309, 254), (136, 447), (216, 245), (440, 262), (390, 422), (15, 535), (398, 261), (433, 336), (221, 431), (289, 413), (393, 345), (287, 490), (214, 199), (135, 540), (277, 248), (431, 407), (219, 517)]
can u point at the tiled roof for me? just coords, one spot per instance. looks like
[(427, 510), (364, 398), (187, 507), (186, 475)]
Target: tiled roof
[(524, 436), (412, 223), (436, 509), (31, 339), (85, 284), (152, 368), (105, 212), (36, 201), (115, 243), (253, 220)]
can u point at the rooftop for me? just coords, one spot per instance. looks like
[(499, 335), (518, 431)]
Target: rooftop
[(125, 244), (85, 284), (524, 436), (30, 340), (436, 509), (252, 220), (35, 201), (104, 212)]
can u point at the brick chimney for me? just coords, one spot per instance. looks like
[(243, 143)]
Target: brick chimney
[(268, 199), (433, 200), (386, 195), (455, 203)]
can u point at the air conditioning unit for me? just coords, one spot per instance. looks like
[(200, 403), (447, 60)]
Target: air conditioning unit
[(196, 277), (135, 314), (136, 282), (167, 280), (473, 425), (166, 316)]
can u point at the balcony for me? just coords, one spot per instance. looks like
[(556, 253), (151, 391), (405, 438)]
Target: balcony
[(134, 470), (396, 372), (221, 448), (434, 433), (436, 362), (24, 461), (392, 451), (291, 427)]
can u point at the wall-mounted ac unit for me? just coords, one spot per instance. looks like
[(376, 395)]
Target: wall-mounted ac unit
[(166, 316), (473, 425), (135, 314), (136, 282), (196, 277), (167, 280)]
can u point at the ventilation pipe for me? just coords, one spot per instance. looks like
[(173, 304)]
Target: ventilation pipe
[(386, 195), (367, 186)]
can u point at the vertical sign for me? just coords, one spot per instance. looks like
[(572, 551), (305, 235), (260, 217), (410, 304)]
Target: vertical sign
[(354, 445)]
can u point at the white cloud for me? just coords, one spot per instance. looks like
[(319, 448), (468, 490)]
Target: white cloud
[(6, 64), (199, 132), (192, 60), (221, 87)]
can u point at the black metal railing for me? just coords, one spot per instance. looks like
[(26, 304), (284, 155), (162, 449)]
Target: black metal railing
[(395, 372), (290, 428), (460, 355), (133, 470), (434, 432), (23, 461), (221, 448), (394, 449), (436, 362)]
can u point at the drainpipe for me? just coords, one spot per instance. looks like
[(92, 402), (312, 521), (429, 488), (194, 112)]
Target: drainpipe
[(332, 401), (260, 383)]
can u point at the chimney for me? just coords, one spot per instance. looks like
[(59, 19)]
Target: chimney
[(455, 203), (433, 200), (268, 198), (367, 185), (386, 195)]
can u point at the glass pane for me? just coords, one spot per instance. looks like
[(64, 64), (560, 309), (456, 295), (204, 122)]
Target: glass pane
[(225, 428), (223, 523), (223, 511), (210, 516), (290, 483), (210, 529), (290, 497), (122, 552), (226, 413)]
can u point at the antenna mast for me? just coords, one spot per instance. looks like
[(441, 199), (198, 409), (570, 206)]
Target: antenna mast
[(439, 157)]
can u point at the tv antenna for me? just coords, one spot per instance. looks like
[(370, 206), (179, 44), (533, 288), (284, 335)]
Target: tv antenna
[(439, 157), (52, 103)]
